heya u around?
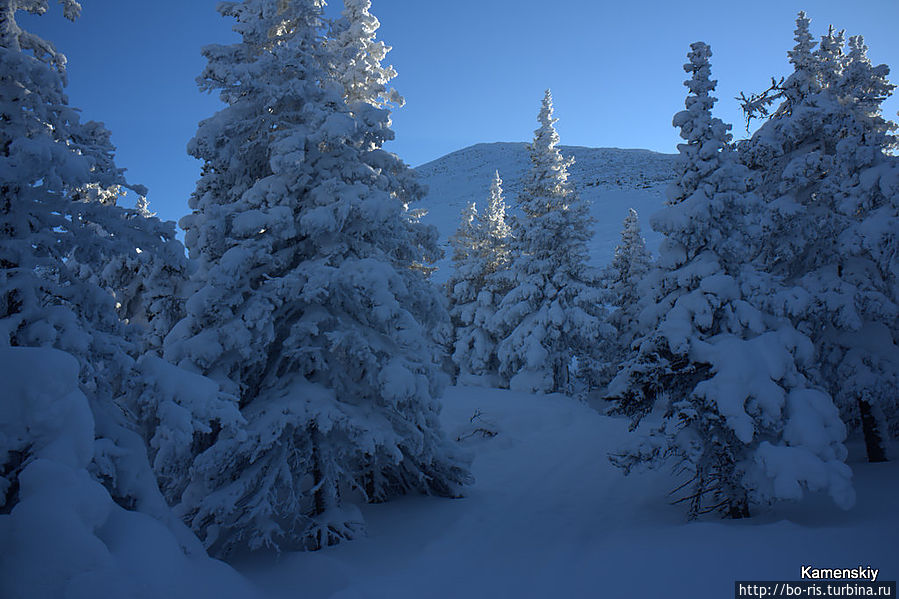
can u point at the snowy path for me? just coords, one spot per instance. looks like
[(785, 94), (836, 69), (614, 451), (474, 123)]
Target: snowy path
[(549, 517)]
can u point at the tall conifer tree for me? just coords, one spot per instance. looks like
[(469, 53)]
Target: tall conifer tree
[(742, 424), (61, 237), (479, 282), (826, 177), (621, 287), (312, 312), (552, 314)]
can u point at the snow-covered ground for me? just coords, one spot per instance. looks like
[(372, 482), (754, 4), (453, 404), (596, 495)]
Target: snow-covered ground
[(611, 179), (66, 537), (550, 517)]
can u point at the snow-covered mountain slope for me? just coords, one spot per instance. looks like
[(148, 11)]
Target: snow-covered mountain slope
[(612, 179), (549, 516)]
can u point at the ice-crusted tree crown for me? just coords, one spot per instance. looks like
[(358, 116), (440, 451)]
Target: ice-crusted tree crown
[(801, 54), (495, 214), (549, 173), (358, 57), (706, 136)]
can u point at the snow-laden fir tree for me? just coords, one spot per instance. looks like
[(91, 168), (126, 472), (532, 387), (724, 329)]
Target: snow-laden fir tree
[(802, 83), (621, 285), (147, 281), (147, 284), (468, 341), (498, 280), (497, 232), (830, 59), (867, 361), (871, 195), (53, 227), (630, 264), (357, 57), (829, 185), (312, 313), (552, 315), (740, 420), (48, 155), (479, 281), (354, 61)]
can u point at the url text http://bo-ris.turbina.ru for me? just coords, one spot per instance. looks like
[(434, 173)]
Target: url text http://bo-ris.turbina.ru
[(858, 581)]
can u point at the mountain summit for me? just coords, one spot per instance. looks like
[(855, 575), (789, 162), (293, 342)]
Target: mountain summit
[(611, 179)]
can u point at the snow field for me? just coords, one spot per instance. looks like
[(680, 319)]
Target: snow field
[(549, 516)]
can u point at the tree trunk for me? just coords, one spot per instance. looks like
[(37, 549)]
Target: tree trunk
[(873, 436), (317, 476), (316, 542), (738, 509), (561, 376)]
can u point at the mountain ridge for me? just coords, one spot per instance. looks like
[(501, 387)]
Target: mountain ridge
[(612, 180)]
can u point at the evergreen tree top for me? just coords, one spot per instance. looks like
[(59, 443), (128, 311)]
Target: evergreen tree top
[(803, 81), (830, 58), (465, 240), (36, 108), (801, 54), (264, 27), (630, 253), (705, 135), (545, 137), (865, 83), (556, 222), (495, 215), (268, 23), (696, 122), (358, 57), (548, 177), (631, 228), (700, 83)]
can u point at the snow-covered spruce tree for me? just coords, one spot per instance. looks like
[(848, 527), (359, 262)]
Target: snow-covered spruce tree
[(740, 421), (469, 342), (146, 278), (621, 284), (479, 282), (802, 83), (828, 183), (48, 158), (553, 312), (631, 263), (148, 282), (311, 310), (354, 61), (864, 370), (830, 59), (357, 57), (497, 233), (150, 286), (498, 279), (871, 195)]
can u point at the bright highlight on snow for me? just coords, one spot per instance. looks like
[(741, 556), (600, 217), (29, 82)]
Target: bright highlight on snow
[(311, 397)]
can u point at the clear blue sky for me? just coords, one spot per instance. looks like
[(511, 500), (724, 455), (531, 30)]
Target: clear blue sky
[(471, 70)]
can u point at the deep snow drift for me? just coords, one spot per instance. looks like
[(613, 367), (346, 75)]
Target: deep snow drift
[(550, 517), (66, 537)]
